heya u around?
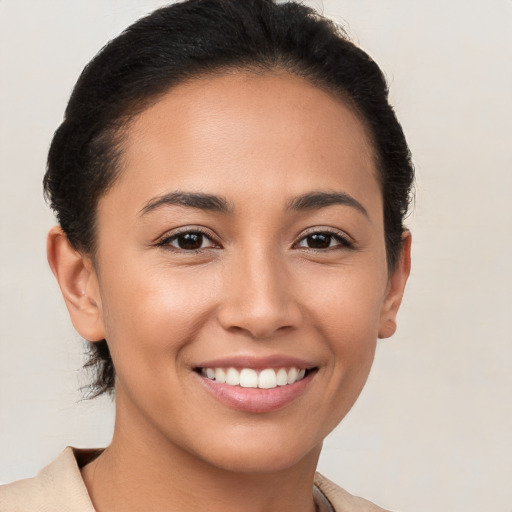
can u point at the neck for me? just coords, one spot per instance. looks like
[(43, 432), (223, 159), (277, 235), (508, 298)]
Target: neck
[(141, 470)]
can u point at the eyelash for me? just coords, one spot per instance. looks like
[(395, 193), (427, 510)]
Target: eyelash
[(343, 242), (166, 241)]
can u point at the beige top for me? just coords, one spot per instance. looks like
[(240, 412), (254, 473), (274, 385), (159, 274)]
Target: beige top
[(59, 488)]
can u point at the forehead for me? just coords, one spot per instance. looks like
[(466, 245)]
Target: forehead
[(236, 130)]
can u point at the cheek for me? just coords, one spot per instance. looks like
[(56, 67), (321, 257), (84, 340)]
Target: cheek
[(346, 302), (345, 309), (152, 313)]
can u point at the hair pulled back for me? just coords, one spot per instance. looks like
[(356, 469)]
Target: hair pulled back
[(196, 38)]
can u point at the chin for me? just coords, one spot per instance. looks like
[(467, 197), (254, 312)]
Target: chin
[(261, 455)]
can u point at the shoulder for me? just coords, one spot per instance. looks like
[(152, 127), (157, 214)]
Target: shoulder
[(57, 488), (341, 500)]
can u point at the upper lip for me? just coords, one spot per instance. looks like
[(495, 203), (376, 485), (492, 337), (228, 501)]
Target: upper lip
[(257, 362)]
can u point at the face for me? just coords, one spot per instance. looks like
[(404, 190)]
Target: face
[(243, 241)]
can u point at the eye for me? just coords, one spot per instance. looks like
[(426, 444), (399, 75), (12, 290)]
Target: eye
[(192, 240), (322, 240)]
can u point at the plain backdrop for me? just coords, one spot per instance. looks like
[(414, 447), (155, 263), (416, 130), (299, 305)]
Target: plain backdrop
[(432, 429)]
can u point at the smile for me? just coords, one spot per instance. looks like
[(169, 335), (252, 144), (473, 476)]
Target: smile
[(267, 378), (257, 386)]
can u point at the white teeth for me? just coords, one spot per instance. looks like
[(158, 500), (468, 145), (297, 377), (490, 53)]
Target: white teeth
[(292, 375), (268, 378), (248, 378), (282, 377), (220, 375), (232, 377)]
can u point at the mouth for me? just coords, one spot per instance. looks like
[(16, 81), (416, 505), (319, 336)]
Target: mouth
[(266, 378), (256, 388)]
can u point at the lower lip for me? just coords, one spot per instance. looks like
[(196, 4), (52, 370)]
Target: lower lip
[(256, 399)]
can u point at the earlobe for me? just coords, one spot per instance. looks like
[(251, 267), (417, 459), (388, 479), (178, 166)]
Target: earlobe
[(396, 287), (78, 283)]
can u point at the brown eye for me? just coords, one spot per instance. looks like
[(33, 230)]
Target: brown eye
[(324, 240), (319, 241), (188, 241)]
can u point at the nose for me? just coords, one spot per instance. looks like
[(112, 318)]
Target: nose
[(258, 296)]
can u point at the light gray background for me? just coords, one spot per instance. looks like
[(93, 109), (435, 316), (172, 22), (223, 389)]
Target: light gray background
[(432, 430)]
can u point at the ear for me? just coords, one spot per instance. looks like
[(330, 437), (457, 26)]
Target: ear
[(395, 290), (78, 283)]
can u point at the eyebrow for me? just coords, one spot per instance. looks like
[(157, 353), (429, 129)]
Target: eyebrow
[(317, 200), (214, 203), (208, 202)]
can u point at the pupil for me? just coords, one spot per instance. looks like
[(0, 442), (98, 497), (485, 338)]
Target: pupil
[(319, 241), (190, 241)]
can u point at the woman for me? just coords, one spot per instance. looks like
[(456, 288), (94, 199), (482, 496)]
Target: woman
[(230, 184)]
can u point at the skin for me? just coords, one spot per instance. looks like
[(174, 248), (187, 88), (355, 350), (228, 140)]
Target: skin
[(256, 288)]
